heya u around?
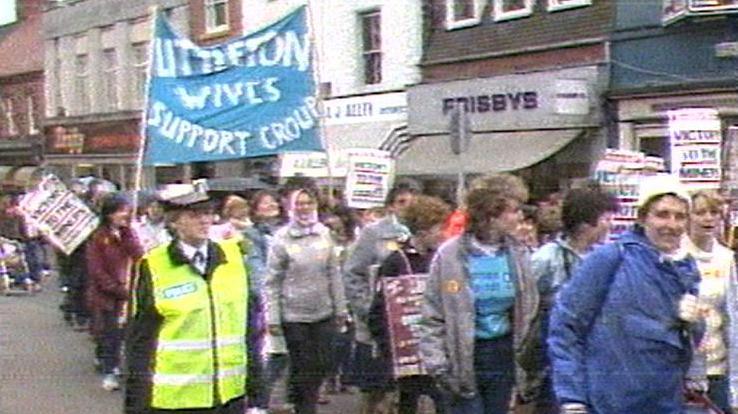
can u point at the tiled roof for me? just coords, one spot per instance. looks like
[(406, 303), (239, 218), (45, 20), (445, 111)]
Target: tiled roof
[(21, 47)]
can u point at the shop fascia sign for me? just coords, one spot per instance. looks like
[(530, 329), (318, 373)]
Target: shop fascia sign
[(67, 140), (94, 138), (674, 10), (726, 50), (315, 164), (362, 109), (505, 103)]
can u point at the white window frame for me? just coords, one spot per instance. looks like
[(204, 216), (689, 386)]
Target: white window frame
[(139, 67), (367, 52), (7, 107), (708, 8), (556, 5), (452, 23), (31, 115), (110, 78), (499, 14), (81, 84), (210, 15)]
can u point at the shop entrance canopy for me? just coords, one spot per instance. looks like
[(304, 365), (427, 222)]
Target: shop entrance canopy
[(489, 152), (14, 179)]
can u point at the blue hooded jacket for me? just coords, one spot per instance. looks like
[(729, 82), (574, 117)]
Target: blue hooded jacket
[(616, 342)]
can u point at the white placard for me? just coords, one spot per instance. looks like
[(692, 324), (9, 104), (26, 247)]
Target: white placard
[(63, 219), (370, 175), (696, 140)]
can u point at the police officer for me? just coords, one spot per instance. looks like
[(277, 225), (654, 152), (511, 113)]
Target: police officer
[(186, 346)]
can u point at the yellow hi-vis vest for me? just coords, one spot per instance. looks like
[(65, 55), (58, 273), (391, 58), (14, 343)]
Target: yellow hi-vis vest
[(200, 359)]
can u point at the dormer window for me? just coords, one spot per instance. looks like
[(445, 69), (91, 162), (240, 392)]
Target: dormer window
[(512, 9), (463, 13), (555, 5)]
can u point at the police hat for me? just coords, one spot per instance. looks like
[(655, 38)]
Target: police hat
[(185, 197)]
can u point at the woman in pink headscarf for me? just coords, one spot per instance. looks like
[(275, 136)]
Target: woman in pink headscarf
[(305, 296)]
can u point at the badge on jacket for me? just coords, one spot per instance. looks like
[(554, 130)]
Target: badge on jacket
[(452, 286), (179, 290), (392, 245)]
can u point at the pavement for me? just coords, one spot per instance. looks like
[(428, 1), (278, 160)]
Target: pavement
[(46, 367)]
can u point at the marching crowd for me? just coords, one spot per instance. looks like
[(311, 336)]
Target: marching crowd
[(204, 304)]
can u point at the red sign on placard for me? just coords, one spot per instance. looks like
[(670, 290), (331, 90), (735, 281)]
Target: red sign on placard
[(403, 296)]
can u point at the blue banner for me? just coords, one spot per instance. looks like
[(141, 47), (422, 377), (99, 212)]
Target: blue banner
[(248, 97)]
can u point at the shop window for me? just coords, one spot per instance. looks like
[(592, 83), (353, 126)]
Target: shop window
[(656, 146), (512, 9), (81, 66), (7, 110), (140, 67), (203, 169), (555, 5), (110, 79), (462, 13), (216, 16), (169, 174), (371, 28)]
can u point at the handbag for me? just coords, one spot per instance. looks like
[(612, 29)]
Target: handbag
[(699, 403)]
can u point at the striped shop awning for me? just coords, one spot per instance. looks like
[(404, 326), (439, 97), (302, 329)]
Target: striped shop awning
[(397, 140)]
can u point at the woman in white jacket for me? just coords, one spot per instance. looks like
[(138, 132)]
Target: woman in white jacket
[(716, 264)]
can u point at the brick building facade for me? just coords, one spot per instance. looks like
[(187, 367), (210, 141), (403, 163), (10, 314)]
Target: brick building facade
[(21, 87), (96, 57), (531, 77)]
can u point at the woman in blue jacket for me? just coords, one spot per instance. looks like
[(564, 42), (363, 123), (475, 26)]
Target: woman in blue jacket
[(621, 333)]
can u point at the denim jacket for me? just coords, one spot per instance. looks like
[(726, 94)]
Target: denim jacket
[(553, 265)]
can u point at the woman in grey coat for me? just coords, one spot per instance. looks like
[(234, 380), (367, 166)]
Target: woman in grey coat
[(479, 331), (305, 297)]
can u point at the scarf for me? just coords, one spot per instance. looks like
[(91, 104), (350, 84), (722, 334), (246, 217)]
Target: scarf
[(306, 221)]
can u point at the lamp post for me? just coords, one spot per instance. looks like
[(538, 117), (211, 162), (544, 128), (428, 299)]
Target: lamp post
[(459, 137)]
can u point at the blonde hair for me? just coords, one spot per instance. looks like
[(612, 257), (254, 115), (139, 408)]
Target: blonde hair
[(232, 204), (711, 197)]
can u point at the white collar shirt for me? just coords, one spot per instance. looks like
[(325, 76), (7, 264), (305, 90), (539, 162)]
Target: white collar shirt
[(190, 251)]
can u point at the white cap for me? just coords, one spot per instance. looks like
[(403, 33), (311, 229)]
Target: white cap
[(660, 184), (183, 194)]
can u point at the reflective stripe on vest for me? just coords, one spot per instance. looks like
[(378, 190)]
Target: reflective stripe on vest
[(184, 345), (200, 359), (183, 379)]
